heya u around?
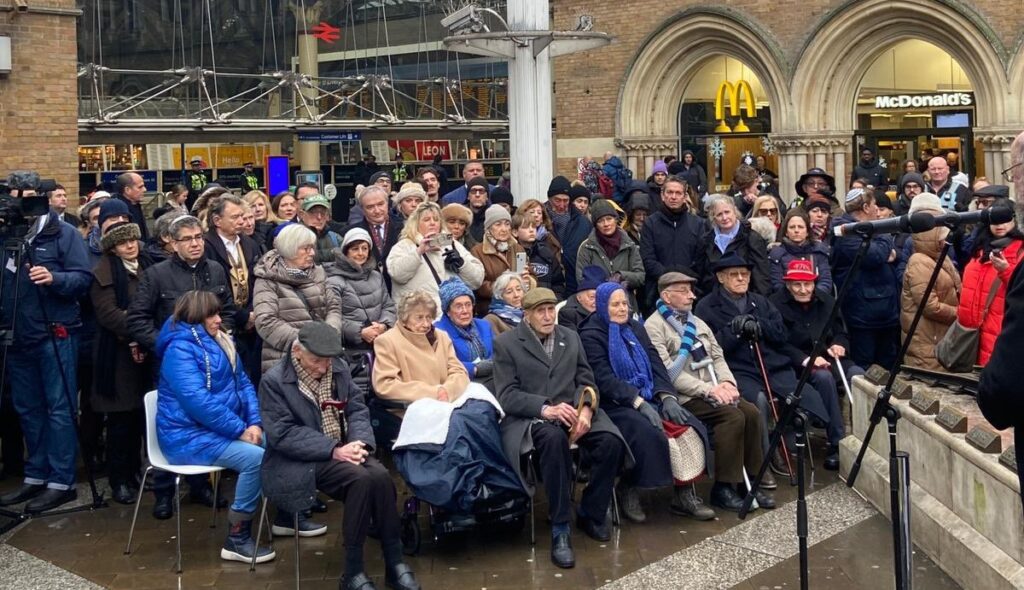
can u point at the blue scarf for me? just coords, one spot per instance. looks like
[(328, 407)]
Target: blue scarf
[(472, 335), (722, 240), (687, 334), (627, 355), (508, 314)]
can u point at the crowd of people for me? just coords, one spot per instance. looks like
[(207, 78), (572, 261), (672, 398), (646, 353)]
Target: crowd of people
[(612, 323)]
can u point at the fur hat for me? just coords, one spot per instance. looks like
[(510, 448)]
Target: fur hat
[(925, 202), (409, 190), (450, 290), (494, 214), (457, 211), (118, 233)]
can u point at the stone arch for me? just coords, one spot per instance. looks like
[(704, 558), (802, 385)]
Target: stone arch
[(649, 98), (833, 62)]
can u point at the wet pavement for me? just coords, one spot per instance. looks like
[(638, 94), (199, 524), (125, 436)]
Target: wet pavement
[(850, 549)]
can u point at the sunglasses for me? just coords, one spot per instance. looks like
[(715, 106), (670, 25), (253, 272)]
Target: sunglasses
[(767, 211)]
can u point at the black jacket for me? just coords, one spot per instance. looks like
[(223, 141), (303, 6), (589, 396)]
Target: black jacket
[(750, 246), (575, 232), (804, 323), (161, 286), (670, 242), (873, 172), (294, 433), (717, 311), (546, 267), (572, 314), (138, 217), (217, 252)]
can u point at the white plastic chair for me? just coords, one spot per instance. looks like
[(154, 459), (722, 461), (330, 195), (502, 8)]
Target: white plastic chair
[(157, 460)]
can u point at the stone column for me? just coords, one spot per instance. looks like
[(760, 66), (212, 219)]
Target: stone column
[(798, 153), (640, 153), (307, 152), (996, 144)]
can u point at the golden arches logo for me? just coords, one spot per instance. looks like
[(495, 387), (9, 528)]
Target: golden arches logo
[(727, 91)]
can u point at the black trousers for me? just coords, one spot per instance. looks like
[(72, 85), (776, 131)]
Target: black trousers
[(12, 442), (124, 446), (368, 493), (603, 451), (736, 435)]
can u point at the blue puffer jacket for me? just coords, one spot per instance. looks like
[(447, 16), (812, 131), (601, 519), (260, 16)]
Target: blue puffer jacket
[(195, 423), (463, 349), (874, 297)]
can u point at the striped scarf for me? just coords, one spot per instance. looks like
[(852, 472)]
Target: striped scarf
[(687, 334)]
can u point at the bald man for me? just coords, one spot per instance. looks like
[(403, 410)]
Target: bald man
[(954, 195)]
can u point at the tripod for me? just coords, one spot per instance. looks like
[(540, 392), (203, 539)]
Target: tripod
[(899, 461), (15, 250), (794, 417)]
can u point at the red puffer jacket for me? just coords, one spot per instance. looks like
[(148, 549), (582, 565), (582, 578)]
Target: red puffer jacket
[(978, 278)]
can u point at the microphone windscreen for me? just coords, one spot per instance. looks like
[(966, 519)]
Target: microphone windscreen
[(999, 215), (921, 221)]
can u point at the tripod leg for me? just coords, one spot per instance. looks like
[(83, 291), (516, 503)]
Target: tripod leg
[(800, 426)]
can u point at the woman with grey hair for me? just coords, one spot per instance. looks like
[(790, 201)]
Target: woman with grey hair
[(506, 308), (424, 257), (730, 234), (291, 291)]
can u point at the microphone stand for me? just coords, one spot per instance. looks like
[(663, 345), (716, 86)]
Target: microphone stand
[(795, 417), (899, 461)]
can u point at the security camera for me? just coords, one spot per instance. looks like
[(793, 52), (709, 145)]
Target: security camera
[(464, 20)]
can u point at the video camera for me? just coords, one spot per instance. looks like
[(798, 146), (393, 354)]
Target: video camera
[(15, 211)]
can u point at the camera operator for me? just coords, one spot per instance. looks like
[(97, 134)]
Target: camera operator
[(41, 361)]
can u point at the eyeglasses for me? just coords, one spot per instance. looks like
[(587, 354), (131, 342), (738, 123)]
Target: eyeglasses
[(738, 274), (767, 211), (1007, 174), (195, 238), (477, 190)]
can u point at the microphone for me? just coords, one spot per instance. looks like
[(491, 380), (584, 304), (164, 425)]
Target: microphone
[(916, 223), (990, 216)]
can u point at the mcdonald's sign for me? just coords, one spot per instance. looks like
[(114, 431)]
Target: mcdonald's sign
[(727, 91)]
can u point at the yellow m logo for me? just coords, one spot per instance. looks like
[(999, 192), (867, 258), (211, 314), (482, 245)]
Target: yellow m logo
[(726, 91)]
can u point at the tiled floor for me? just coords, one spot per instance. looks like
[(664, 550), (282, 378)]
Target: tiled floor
[(850, 549)]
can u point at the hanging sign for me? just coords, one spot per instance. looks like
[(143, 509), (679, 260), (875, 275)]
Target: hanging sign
[(427, 149), (916, 101)]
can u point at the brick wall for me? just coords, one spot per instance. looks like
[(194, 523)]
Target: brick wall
[(587, 84), (38, 99)]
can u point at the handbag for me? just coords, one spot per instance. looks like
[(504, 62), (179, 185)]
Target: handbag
[(958, 349), (685, 452)]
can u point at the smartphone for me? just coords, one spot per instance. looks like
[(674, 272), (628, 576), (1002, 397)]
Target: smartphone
[(520, 262), (442, 240)]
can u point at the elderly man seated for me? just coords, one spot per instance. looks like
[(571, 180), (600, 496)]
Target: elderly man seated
[(546, 388), (708, 389), (754, 339), (319, 437)]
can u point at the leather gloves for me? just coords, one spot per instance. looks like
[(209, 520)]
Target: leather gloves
[(746, 327), (453, 260), (484, 368)]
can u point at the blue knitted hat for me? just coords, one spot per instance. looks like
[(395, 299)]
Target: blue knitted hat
[(450, 290), (604, 294)]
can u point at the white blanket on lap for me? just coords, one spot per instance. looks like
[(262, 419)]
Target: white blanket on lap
[(426, 420)]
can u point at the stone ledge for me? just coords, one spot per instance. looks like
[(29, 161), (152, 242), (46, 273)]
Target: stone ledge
[(966, 510)]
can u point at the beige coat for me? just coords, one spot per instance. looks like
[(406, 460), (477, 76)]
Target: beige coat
[(408, 367), (282, 304), (409, 272), (941, 308), (690, 384)]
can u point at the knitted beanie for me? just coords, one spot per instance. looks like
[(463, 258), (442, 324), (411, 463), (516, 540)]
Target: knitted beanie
[(494, 214), (450, 290), (559, 186)]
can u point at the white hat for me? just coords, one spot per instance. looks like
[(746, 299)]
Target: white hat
[(925, 202)]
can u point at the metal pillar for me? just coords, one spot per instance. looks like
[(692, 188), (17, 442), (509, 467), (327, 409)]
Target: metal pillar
[(308, 152)]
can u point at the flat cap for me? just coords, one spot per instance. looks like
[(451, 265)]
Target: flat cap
[(321, 340), (538, 296), (672, 278)]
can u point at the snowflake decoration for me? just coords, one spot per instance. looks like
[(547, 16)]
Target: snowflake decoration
[(717, 148), (882, 163), (767, 145)]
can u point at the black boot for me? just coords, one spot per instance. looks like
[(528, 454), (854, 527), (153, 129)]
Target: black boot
[(239, 546), (27, 491), (163, 508), (284, 525)]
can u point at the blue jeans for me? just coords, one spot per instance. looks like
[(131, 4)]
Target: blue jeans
[(37, 392), (246, 459)]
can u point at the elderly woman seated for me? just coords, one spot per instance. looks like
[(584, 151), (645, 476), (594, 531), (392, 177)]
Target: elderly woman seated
[(472, 338), (637, 393), (506, 308), (805, 310), (207, 411), (448, 453)]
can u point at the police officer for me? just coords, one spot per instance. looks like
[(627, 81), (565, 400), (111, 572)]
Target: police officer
[(250, 182)]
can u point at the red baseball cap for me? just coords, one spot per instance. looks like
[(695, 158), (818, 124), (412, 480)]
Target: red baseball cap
[(800, 270)]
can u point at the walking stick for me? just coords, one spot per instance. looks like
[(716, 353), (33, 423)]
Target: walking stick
[(846, 382), (756, 348)]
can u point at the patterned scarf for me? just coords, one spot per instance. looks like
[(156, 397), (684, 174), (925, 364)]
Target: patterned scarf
[(628, 358), (472, 335), (510, 315), (319, 391), (559, 220), (687, 334)]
